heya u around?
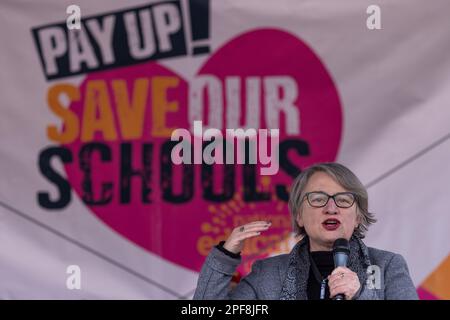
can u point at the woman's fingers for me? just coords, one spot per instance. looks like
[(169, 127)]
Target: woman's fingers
[(251, 231), (249, 234), (257, 222), (345, 281), (338, 274), (342, 289), (235, 241), (253, 227)]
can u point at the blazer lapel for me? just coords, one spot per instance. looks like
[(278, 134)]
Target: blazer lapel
[(359, 259), (296, 276)]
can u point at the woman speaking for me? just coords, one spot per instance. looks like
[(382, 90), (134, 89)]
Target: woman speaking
[(327, 202)]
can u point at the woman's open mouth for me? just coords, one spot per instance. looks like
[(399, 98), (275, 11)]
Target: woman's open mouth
[(331, 224)]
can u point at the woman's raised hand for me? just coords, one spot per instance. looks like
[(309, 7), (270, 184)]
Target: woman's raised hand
[(236, 240)]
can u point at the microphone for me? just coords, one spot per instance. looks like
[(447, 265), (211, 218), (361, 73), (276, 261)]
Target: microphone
[(340, 257)]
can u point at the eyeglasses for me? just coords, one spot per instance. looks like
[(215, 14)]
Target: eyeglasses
[(319, 199)]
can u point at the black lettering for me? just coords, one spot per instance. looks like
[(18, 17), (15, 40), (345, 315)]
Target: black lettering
[(287, 166), (60, 182), (85, 155), (166, 176), (249, 172), (208, 180), (127, 172)]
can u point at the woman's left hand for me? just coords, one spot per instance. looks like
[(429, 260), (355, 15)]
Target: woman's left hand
[(345, 281)]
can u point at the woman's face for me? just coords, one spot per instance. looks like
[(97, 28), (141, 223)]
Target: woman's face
[(325, 225)]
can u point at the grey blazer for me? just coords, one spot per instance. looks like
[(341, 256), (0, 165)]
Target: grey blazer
[(285, 277)]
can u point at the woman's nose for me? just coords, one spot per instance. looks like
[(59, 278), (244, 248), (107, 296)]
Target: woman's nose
[(331, 207)]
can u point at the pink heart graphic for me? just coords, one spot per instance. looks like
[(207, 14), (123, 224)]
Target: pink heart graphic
[(184, 232)]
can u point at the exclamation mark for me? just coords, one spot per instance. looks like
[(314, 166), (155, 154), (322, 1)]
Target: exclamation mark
[(199, 10)]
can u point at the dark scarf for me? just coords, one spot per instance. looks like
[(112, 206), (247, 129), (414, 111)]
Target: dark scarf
[(296, 281)]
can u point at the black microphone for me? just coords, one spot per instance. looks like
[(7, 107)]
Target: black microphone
[(340, 256)]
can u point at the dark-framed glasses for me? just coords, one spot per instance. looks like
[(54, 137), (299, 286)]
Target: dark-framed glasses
[(319, 199)]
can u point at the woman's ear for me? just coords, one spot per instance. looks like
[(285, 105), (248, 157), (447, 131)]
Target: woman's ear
[(358, 218), (299, 220)]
